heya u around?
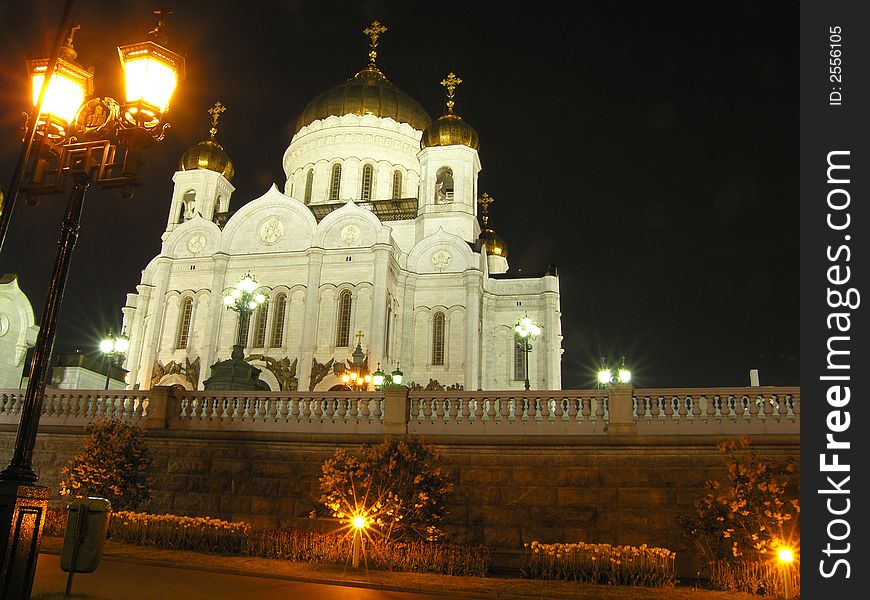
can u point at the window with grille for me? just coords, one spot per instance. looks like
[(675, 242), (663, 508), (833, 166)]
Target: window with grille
[(277, 339), (520, 358), (184, 324), (335, 182), (397, 184), (246, 326), (342, 336), (309, 185), (366, 189), (438, 339), (260, 326)]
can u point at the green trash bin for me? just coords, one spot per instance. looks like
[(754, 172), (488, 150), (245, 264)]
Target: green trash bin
[(85, 534)]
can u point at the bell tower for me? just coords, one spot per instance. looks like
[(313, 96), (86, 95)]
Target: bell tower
[(202, 183)]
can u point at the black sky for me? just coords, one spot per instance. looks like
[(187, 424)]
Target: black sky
[(649, 151)]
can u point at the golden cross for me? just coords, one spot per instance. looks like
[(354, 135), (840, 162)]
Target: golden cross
[(215, 111), (450, 83), (485, 201), (374, 31), (359, 334)]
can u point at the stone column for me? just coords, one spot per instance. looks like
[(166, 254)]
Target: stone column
[(213, 334), (619, 404), (134, 320), (154, 329), (309, 328), (472, 331), (396, 410), (379, 305), (405, 352)]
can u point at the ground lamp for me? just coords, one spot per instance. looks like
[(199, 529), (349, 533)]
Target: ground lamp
[(97, 141), (527, 330), (606, 375), (113, 348), (785, 558), (359, 523)]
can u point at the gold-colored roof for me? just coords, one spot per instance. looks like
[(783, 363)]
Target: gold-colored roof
[(449, 129), (208, 154), (495, 246), (369, 92)]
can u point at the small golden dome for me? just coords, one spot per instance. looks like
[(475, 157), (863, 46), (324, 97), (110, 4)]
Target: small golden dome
[(495, 246), (368, 92), (450, 130), (208, 154)]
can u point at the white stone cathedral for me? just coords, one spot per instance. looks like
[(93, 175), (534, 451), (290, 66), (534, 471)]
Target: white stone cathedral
[(374, 240)]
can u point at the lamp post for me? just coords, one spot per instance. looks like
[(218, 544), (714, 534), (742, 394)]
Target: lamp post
[(359, 523), (382, 380), (113, 347), (606, 375), (244, 299), (785, 557), (358, 380), (98, 145), (527, 330)]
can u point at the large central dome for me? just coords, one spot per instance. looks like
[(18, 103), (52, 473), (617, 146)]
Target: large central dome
[(368, 92)]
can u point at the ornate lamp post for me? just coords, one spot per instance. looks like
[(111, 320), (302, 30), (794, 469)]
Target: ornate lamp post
[(113, 347), (527, 331), (99, 145), (606, 376), (358, 380), (382, 380), (244, 299)]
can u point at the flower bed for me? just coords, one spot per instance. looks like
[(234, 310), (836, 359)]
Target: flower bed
[(601, 563), (204, 534), (762, 578)]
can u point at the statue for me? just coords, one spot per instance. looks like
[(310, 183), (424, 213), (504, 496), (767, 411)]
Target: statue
[(283, 370), (318, 372)]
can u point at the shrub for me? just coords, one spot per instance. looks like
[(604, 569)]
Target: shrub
[(397, 485), (113, 464), (601, 563)]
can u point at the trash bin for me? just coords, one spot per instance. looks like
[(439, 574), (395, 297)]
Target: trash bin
[(85, 534)]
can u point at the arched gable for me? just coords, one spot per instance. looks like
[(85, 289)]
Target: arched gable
[(440, 252), (271, 223), (350, 227)]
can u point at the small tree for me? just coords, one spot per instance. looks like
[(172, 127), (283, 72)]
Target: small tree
[(396, 484), (113, 464), (750, 517)]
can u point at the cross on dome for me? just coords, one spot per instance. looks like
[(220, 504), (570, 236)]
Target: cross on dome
[(451, 82), (374, 31), (485, 200), (215, 111)]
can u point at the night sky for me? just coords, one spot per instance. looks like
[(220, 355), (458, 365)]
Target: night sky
[(649, 151)]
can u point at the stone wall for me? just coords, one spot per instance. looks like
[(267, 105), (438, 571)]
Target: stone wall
[(613, 489)]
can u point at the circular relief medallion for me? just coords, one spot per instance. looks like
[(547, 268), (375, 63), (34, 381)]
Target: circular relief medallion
[(196, 243), (441, 259), (349, 235), (4, 324), (271, 231), (97, 114)]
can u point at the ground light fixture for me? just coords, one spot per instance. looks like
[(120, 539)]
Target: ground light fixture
[(359, 523), (785, 557)]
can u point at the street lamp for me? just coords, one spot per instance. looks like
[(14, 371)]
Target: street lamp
[(98, 145), (113, 347), (606, 375), (382, 380), (359, 522), (358, 380), (244, 299), (785, 557), (527, 330)]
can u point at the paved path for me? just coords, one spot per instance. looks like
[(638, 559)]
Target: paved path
[(122, 580)]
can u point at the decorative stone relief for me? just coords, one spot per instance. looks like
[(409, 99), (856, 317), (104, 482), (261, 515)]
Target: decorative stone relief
[(196, 243), (349, 235), (271, 231), (4, 324), (440, 260)]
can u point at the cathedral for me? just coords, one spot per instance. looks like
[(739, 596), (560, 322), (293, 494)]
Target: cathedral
[(379, 241)]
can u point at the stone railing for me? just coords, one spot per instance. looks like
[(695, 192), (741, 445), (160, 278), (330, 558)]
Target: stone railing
[(617, 409)]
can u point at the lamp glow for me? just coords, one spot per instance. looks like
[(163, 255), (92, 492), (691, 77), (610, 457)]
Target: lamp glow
[(359, 522), (121, 344), (228, 299), (63, 97), (605, 376), (624, 376), (106, 346), (786, 555), (149, 80)]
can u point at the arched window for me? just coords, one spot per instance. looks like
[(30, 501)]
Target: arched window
[(309, 185), (188, 206), (260, 326), (342, 337), (184, 323), (444, 185), (365, 192), (520, 358), (277, 338), (397, 184), (335, 182), (438, 339)]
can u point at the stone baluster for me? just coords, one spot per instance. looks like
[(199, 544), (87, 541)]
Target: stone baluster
[(293, 409), (365, 409), (682, 404), (378, 412), (453, 413), (753, 407), (504, 408), (342, 409), (768, 407), (599, 409), (305, 413), (439, 411), (696, 407)]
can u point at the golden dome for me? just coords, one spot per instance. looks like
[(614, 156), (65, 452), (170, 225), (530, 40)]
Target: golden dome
[(208, 154), (495, 246), (368, 92), (449, 130)]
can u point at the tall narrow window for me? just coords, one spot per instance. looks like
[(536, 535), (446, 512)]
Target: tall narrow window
[(342, 336), (444, 186), (309, 185), (438, 339), (335, 182), (397, 184), (365, 192), (520, 358), (387, 332), (260, 327), (184, 323), (277, 339), (246, 326)]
